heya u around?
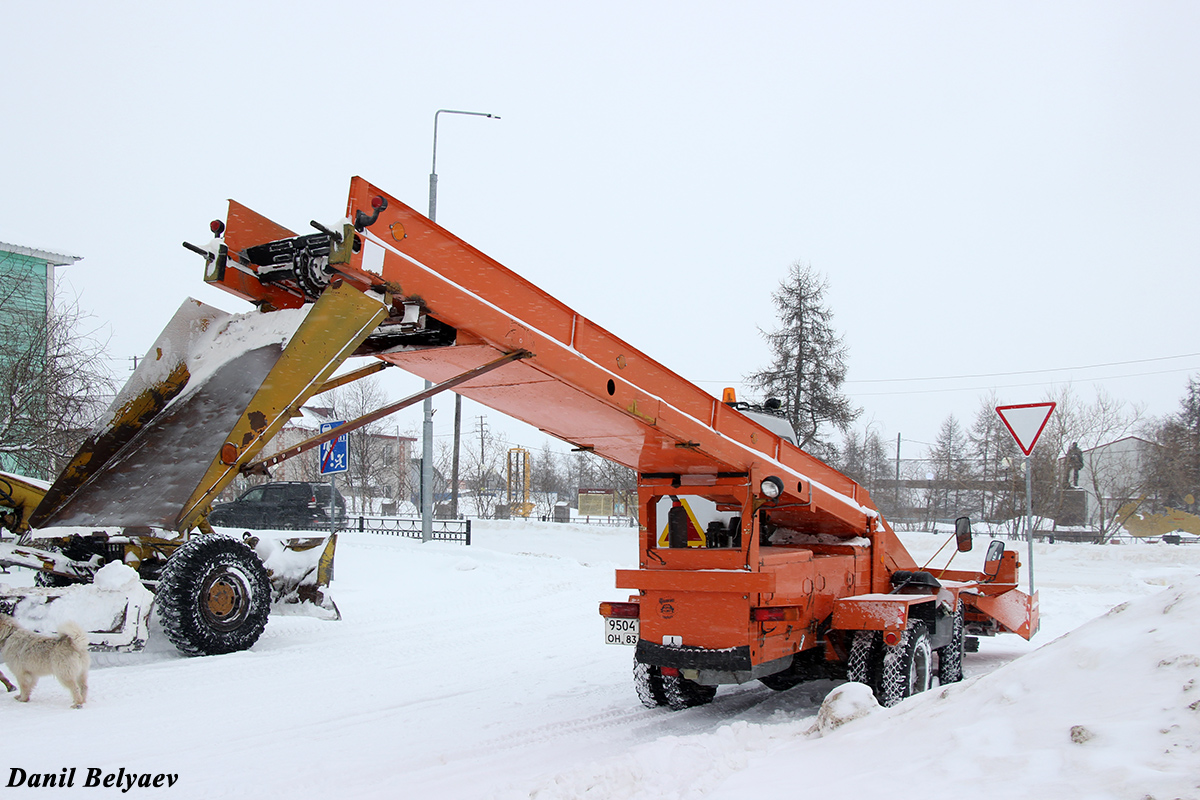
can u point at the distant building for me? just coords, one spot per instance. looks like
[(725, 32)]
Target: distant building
[(27, 282), (1113, 474)]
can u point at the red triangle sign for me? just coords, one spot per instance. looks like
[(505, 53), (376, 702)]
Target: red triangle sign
[(1026, 422)]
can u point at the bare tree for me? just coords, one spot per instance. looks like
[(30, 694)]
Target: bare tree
[(621, 480), (545, 481), (482, 468), (1114, 474), (808, 359), (54, 383)]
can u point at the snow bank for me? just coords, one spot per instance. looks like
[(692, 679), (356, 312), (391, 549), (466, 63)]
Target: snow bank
[(479, 672), (1111, 710)]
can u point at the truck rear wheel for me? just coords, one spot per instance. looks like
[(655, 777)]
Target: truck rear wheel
[(682, 693), (866, 659), (907, 666), (647, 682), (214, 596), (950, 657)]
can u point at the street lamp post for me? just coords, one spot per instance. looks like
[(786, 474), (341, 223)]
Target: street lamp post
[(427, 429)]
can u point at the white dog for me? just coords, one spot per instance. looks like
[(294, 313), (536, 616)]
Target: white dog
[(32, 656)]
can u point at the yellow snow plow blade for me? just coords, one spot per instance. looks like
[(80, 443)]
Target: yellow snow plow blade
[(211, 392), (206, 399), (300, 569)]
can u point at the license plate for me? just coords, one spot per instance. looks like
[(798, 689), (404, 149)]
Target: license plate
[(620, 631)]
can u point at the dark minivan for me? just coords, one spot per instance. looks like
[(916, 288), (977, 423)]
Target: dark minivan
[(286, 505)]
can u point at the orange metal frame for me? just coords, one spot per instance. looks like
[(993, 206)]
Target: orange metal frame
[(591, 389)]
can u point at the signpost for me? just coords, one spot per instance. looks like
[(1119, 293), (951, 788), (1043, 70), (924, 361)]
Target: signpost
[(334, 458), (1026, 423)]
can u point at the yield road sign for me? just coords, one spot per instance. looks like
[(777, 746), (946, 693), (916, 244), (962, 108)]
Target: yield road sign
[(1026, 422), (334, 454)]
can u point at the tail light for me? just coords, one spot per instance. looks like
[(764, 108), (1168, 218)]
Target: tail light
[(620, 610), (774, 613)]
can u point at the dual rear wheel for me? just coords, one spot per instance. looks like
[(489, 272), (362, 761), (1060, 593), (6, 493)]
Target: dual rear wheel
[(654, 688)]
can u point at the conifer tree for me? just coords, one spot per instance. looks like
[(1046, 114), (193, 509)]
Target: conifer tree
[(808, 359)]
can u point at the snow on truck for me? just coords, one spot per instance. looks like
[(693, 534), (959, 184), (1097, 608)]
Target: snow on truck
[(757, 560)]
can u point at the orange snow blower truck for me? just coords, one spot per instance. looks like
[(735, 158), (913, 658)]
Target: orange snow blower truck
[(758, 561)]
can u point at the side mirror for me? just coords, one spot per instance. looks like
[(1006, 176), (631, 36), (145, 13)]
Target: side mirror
[(962, 534), (991, 563)]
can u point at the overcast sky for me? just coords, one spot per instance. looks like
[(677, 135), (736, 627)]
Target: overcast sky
[(1003, 193)]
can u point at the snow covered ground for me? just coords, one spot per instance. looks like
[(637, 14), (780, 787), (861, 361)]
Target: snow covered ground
[(480, 672)]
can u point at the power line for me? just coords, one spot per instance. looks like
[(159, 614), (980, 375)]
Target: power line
[(1030, 371), (1017, 385), (1011, 374)]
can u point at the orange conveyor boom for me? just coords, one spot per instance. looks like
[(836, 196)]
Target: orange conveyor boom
[(583, 384)]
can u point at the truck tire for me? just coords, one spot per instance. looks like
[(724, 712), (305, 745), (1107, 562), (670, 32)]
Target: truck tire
[(950, 657), (213, 596), (682, 693), (907, 666), (647, 682), (865, 661)]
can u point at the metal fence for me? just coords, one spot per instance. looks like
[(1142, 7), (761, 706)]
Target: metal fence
[(444, 530)]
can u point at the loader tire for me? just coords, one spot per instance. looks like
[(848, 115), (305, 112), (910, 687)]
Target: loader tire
[(950, 657), (648, 683), (682, 693), (907, 666), (213, 596)]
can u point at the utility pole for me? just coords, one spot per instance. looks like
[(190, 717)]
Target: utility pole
[(427, 458), (481, 486), (896, 510), (454, 459), (482, 435)]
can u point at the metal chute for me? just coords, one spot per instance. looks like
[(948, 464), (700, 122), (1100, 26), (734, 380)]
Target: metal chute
[(206, 399), (208, 396)]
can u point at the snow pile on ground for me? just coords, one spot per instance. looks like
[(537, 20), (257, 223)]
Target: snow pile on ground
[(1111, 710), (99, 606), (846, 703), (114, 608), (480, 672)]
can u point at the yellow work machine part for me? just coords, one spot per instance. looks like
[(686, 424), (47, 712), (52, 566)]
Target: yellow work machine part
[(201, 405)]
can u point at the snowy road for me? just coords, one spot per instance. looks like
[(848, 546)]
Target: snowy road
[(470, 673)]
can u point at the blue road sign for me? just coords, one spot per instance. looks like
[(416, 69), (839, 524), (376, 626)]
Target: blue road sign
[(334, 454)]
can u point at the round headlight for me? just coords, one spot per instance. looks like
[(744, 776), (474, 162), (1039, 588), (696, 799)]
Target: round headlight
[(771, 487)]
